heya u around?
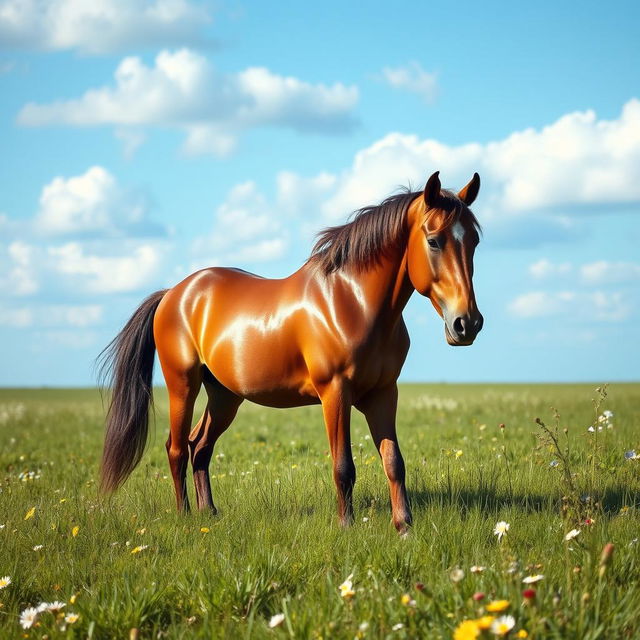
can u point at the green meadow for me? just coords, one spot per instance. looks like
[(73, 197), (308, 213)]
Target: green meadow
[(130, 567)]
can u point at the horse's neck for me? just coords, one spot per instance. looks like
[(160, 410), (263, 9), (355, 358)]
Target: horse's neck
[(386, 289)]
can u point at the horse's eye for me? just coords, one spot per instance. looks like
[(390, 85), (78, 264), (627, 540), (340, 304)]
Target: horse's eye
[(433, 243)]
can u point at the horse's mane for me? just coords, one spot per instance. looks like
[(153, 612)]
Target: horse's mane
[(374, 231)]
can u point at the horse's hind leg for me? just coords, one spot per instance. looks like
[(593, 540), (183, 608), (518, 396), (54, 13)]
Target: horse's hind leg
[(183, 388), (221, 409)]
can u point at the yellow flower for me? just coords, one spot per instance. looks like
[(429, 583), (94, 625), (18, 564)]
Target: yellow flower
[(139, 548), (467, 630), (496, 606), (485, 622), (30, 513), (204, 529), (75, 530), (458, 453), (405, 599), (522, 634), (5, 582), (70, 618), (346, 588)]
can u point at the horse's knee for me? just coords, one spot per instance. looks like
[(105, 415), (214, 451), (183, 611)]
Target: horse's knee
[(344, 474), (393, 463)]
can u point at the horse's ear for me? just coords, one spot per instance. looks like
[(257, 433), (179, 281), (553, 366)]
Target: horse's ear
[(469, 193), (432, 191)]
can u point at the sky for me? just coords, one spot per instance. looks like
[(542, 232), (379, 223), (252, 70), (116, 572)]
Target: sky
[(144, 140)]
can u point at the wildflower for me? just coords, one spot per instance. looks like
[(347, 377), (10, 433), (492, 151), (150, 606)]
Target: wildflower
[(478, 596), (28, 515), (466, 630), (477, 569), (485, 622), (28, 617), (605, 558), (572, 534), (522, 634), (75, 531), (529, 595), (204, 529), (503, 625), (458, 453), (2, 526), (276, 620), (624, 510), (38, 547), (631, 455), (553, 464), (139, 548), (501, 529), (53, 607), (498, 606), (588, 521), (397, 627), (407, 600), (607, 415), (456, 574), (5, 582), (591, 429), (70, 618), (346, 588), (533, 579), (419, 586), (365, 519)]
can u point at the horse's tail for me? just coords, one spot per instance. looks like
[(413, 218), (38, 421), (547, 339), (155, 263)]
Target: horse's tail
[(126, 365)]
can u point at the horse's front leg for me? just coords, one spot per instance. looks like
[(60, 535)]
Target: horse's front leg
[(379, 408), (336, 407)]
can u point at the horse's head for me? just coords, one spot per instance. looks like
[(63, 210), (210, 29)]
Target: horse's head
[(442, 239)]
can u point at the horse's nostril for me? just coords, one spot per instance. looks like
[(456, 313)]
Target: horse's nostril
[(458, 326), (479, 323)]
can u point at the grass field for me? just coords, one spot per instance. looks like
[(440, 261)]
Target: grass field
[(131, 563)]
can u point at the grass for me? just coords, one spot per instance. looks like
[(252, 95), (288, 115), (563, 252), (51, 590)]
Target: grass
[(276, 546)]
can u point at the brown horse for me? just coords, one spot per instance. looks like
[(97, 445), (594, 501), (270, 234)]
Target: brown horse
[(331, 333)]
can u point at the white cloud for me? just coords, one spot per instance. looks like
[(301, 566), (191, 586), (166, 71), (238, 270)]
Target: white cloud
[(20, 279), (103, 274), (79, 316), (100, 26), (183, 90), (543, 268), (603, 272), (578, 163), (584, 306), (246, 229), (413, 78), (90, 204)]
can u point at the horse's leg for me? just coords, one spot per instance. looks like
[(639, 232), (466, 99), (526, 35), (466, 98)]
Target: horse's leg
[(183, 390), (379, 408), (221, 409), (336, 407)]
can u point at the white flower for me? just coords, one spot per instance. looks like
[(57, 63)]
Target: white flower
[(501, 529), (591, 429), (631, 455), (276, 620), (363, 626), (533, 579), (28, 617), (477, 569), (456, 574), (572, 534), (5, 582), (70, 618), (397, 627), (2, 526), (554, 463), (38, 547), (346, 588), (502, 625), (52, 606)]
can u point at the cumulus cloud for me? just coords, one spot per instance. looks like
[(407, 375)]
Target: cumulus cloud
[(246, 229), (414, 79), (604, 272), (183, 90), (587, 306), (92, 204), (578, 163), (544, 268), (79, 316), (100, 26)]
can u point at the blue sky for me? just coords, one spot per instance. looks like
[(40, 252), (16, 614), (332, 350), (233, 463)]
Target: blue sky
[(146, 139)]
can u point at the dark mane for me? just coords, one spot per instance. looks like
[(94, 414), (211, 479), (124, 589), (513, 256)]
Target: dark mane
[(375, 231)]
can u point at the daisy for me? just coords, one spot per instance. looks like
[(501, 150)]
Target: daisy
[(503, 625), (456, 574), (346, 588), (139, 548), (52, 606), (397, 627), (28, 617), (477, 569), (70, 618), (572, 534), (276, 620), (5, 582), (533, 579), (38, 547), (501, 529)]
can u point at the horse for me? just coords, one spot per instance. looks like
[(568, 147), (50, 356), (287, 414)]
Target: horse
[(332, 333)]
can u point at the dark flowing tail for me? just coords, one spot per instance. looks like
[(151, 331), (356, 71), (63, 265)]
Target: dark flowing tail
[(126, 365)]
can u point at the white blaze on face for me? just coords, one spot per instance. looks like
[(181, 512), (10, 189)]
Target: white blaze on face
[(458, 231)]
